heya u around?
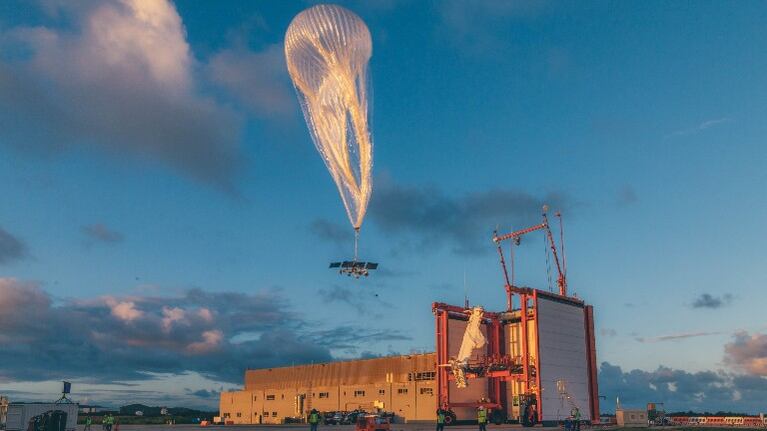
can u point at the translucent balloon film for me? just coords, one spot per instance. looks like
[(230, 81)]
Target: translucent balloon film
[(327, 49)]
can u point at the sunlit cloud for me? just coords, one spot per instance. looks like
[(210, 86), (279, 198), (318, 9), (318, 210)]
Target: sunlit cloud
[(748, 352), (120, 79), (682, 390), (118, 339)]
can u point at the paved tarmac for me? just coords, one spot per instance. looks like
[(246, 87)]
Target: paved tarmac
[(398, 427), (394, 427)]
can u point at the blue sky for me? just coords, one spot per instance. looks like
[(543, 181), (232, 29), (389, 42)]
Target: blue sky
[(154, 164)]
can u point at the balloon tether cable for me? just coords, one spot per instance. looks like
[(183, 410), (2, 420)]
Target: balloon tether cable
[(356, 241)]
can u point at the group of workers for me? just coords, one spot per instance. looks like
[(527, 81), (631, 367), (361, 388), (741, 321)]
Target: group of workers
[(572, 423), (442, 415), (106, 423)]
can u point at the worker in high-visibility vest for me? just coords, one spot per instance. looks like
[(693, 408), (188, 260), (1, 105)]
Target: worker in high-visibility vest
[(576, 415), (88, 422), (482, 418), (314, 420), (441, 414)]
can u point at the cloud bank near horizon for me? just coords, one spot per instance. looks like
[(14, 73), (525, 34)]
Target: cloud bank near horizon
[(217, 335), (118, 339)]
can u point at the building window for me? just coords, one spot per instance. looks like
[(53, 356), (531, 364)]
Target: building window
[(239, 415), (270, 397), (283, 396), (359, 393), (402, 391), (274, 414), (382, 392), (424, 375), (255, 398), (427, 391), (324, 394), (226, 415)]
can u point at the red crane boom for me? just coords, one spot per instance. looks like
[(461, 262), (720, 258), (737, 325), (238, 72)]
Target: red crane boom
[(516, 236)]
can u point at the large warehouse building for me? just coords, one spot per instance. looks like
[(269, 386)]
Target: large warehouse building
[(404, 385)]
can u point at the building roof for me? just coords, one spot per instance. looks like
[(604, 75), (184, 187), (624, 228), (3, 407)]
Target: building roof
[(359, 371)]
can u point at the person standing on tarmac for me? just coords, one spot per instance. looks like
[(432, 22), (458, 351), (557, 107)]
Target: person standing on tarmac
[(482, 418), (576, 414), (441, 413), (88, 422), (314, 420)]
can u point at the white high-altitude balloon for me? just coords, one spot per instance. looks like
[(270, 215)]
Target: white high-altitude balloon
[(327, 49)]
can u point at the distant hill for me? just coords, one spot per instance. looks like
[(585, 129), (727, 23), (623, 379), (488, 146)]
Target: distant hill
[(149, 411)]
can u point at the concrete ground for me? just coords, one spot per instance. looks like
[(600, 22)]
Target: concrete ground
[(394, 427)]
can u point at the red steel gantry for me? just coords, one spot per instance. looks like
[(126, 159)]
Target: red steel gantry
[(497, 364)]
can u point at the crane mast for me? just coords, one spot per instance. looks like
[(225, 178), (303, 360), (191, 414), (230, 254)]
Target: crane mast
[(516, 237)]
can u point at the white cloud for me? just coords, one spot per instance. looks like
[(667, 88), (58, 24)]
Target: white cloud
[(144, 34), (699, 128), (205, 314), (257, 80), (123, 310), (748, 352), (132, 338), (171, 315), (210, 341), (121, 80), (683, 390)]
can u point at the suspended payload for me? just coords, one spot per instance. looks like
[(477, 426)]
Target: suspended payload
[(473, 339), (327, 49)]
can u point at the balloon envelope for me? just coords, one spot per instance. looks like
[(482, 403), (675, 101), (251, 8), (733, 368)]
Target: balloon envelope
[(327, 49)]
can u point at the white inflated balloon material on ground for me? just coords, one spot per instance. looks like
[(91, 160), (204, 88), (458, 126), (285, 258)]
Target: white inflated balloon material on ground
[(327, 49)]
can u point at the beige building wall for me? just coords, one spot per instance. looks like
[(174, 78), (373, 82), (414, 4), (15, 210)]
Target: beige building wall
[(631, 418), (237, 404), (404, 385)]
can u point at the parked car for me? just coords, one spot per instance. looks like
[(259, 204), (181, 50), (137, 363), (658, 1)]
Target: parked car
[(333, 418)]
